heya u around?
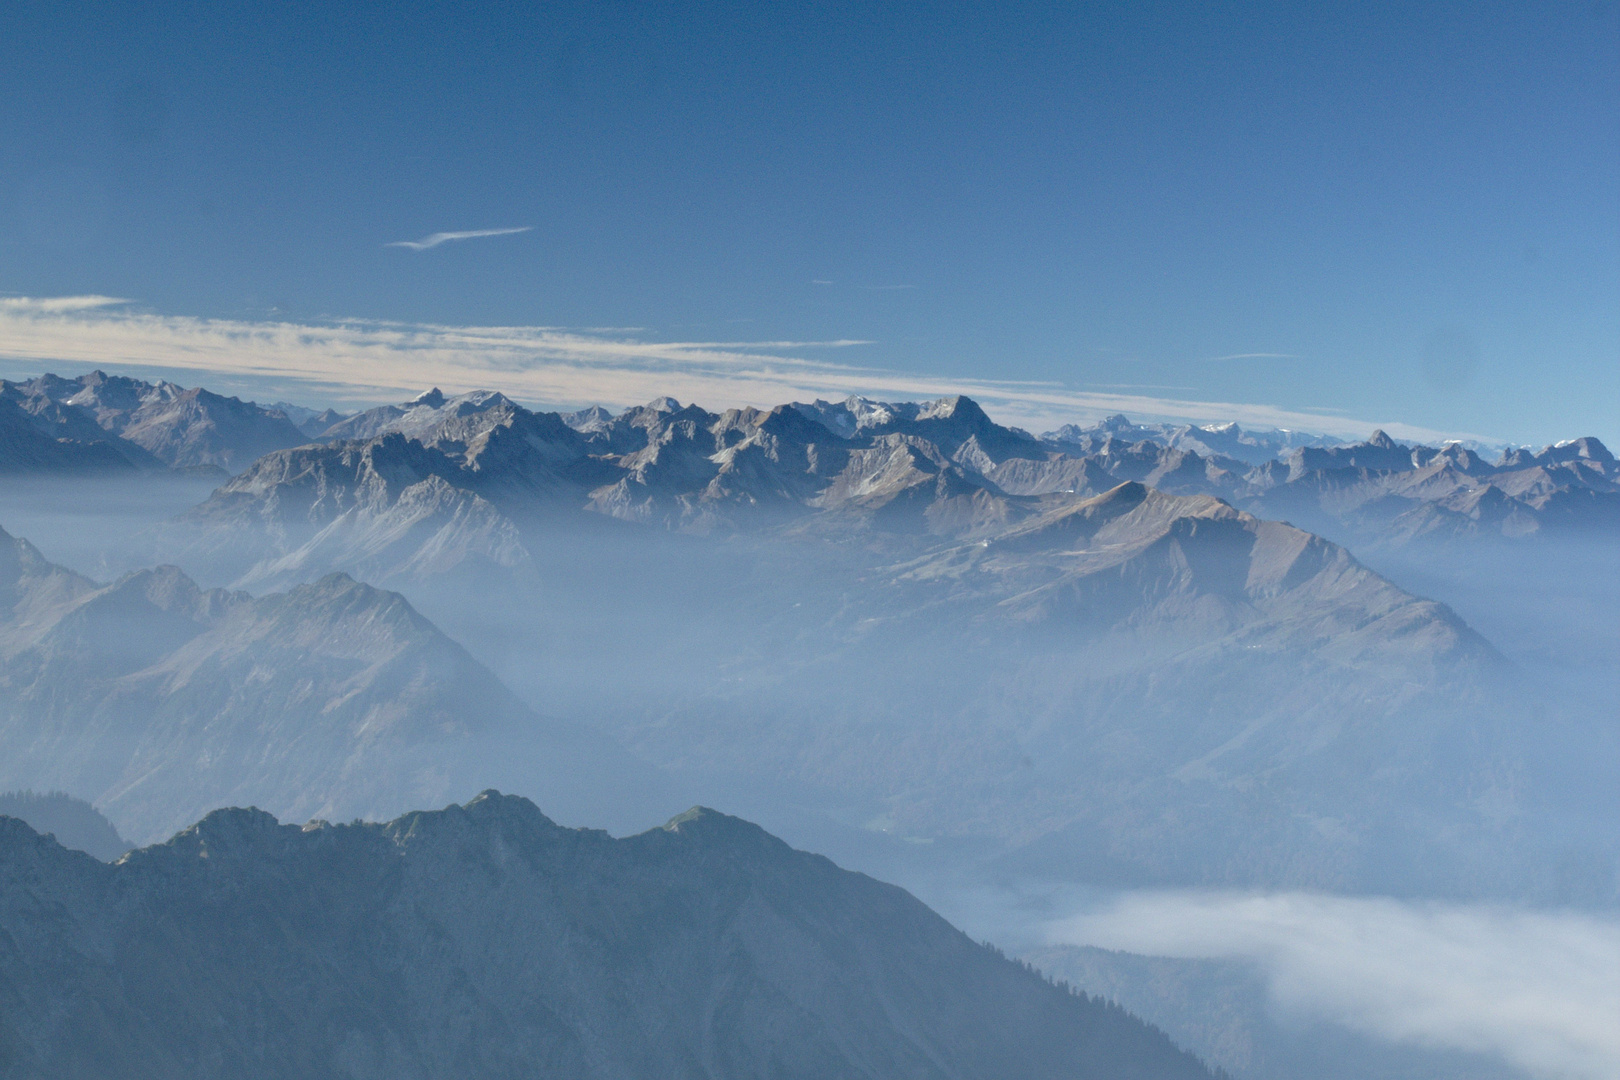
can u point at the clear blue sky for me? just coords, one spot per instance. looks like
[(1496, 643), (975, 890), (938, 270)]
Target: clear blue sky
[(1413, 209)]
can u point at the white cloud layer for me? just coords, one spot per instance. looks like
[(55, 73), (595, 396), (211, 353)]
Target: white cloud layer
[(1540, 989), (370, 361)]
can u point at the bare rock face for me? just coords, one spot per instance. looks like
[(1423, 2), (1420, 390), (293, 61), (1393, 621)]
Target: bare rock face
[(34, 446), (153, 424), (681, 467), (384, 508), (940, 469), (485, 940)]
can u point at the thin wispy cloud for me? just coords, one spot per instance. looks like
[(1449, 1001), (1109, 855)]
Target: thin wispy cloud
[(1252, 356), (438, 238), (1140, 386), (367, 361), (1539, 989), (58, 304)]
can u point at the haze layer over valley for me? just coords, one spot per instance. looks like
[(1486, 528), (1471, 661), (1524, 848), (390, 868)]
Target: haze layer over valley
[(972, 660), (809, 542), (1074, 650)]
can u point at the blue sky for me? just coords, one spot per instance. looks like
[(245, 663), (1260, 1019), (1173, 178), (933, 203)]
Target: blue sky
[(1374, 213)]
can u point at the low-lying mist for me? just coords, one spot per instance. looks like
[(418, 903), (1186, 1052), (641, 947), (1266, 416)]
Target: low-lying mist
[(97, 526), (1393, 796), (1540, 989), (870, 695)]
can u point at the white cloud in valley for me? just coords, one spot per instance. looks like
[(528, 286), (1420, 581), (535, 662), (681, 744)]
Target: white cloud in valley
[(1538, 989), (366, 361)]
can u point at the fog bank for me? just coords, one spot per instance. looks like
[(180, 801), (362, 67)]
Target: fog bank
[(1541, 989)]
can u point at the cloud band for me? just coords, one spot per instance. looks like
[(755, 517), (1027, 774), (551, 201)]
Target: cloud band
[(370, 361)]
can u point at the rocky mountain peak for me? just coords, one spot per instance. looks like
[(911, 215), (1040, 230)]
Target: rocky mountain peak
[(955, 407), (1129, 493), (337, 596), (591, 419), (221, 843), (1588, 447), (1381, 440), (231, 829), (711, 826), (488, 816)]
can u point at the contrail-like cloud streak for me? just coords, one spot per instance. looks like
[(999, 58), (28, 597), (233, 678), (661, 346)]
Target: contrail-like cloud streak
[(438, 238)]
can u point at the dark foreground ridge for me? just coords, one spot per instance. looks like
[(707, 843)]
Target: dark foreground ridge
[(487, 941)]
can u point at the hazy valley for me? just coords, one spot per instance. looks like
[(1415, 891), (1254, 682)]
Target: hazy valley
[(947, 652)]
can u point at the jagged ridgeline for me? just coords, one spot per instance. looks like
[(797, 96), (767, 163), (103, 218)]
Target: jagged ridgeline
[(484, 941), (1093, 652), (424, 486), (100, 423), (421, 487)]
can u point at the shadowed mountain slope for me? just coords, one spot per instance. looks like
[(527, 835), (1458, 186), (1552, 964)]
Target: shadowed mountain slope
[(32, 446), (487, 941)]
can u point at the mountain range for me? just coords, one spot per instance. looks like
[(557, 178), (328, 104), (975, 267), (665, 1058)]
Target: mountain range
[(1209, 440), (157, 699), (946, 651), (485, 940), (687, 468), (415, 488), (101, 422), (923, 624)]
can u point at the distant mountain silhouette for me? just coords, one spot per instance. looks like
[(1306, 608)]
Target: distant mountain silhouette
[(159, 698), (75, 823), (152, 424)]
